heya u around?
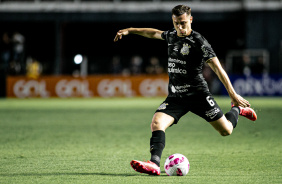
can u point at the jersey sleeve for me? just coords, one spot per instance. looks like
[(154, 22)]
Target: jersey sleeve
[(164, 35), (206, 50)]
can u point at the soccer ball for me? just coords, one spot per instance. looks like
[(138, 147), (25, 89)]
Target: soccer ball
[(176, 165)]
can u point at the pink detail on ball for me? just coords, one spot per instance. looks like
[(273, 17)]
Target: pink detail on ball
[(179, 172), (170, 157), (176, 161)]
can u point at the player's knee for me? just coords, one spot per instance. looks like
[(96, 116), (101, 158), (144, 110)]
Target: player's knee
[(156, 124), (225, 132), (161, 121)]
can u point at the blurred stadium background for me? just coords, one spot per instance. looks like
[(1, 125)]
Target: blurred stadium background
[(65, 48)]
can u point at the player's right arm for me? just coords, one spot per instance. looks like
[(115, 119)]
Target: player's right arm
[(236, 99), (146, 32)]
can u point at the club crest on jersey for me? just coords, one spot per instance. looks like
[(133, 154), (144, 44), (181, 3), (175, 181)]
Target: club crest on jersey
[(162, 106), (185, 49)]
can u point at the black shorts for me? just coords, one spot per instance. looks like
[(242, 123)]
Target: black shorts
[(203, 105)]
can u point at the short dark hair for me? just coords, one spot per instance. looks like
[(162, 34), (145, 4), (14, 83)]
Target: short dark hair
[(180, 10)]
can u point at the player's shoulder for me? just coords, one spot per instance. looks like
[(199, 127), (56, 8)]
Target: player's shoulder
[(199, 38), (169, 33)]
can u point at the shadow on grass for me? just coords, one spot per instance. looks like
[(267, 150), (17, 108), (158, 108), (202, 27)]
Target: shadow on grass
[(78, 174), (68, 174)]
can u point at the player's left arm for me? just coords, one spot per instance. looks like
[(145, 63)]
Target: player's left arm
[(236, 99), (146, 32)]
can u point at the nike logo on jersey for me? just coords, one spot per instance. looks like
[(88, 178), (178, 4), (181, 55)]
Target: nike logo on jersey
[(191, 39), (170, 44), (175, 49)]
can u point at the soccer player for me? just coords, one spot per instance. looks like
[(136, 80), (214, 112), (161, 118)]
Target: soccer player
[(188, 90)]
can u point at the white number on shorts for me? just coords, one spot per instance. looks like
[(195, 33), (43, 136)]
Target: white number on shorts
[(211, 102)]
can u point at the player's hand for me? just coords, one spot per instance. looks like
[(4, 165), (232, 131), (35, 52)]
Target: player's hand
[(240, 101), (120, 33)]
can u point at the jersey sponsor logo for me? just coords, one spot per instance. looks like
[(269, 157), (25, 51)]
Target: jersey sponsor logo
[(212, 113), (185, 49), (172, 65), (176, 61), (177, 70), (180, 89), (162, 106)]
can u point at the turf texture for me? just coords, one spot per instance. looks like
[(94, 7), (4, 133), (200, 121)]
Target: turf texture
[(93, 141)]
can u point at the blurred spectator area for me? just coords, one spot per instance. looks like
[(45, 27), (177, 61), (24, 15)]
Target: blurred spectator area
[(122, 0), (54, 31), (136, 5), (247, 62)]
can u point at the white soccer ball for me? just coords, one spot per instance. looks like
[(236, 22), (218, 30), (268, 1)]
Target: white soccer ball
[(177, 165)]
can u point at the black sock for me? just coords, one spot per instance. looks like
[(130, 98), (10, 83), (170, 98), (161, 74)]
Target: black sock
[(157, 144), (232, 115)]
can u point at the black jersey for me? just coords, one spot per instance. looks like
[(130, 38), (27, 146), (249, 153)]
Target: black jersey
[(186, 56)]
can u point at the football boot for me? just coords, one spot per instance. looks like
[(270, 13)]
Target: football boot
[(247, 112), (145, 167)]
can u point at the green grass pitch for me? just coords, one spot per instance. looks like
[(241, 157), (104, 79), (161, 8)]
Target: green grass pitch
[(93, 141)]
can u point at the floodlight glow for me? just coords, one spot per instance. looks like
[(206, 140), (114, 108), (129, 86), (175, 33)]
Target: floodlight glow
[(78, 59)]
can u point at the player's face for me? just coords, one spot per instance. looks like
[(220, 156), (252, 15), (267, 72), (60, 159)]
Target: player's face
[(182, 24)]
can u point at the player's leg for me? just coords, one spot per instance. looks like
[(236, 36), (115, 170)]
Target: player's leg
[(223, 126), (227, 123), (160, 123), (206, 107), (168, 113)]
